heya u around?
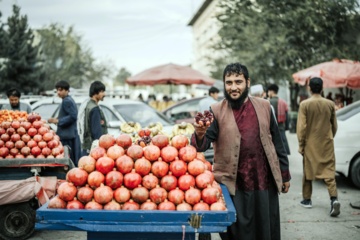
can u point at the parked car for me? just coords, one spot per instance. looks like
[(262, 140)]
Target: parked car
[(116, 111), (347, 142)]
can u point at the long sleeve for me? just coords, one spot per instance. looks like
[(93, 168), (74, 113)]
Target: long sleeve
[(70, 111), (210, 136), (301, 128), (95, 125)]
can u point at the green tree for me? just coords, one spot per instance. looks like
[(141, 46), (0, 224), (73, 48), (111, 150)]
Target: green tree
[(122, 75), (22, 70), (277, 38), (65, 57), (3, 47)]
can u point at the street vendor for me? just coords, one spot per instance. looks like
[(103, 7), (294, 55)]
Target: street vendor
[(249, 156), (14, 95)]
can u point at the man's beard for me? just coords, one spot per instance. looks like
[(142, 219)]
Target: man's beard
[(15, 105), (237, 103)]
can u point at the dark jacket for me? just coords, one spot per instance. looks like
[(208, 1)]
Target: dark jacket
[(67, 119)]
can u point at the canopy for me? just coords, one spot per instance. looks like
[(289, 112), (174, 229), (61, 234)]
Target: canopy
[(170, 74), (336, 73)]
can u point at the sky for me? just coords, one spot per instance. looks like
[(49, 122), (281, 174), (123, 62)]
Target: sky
[(135, 34)]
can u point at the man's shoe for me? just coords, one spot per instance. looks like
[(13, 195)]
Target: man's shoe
[(306, 203), (335, 208)]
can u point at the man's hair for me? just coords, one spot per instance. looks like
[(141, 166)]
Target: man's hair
[(13, 92), (96, 87), (316, 85), (63, 85), (213, 90), (273, 87), (236, 68)]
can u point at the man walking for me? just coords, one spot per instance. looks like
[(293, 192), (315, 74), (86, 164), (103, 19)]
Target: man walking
[(249, 157), (205, 103), (281, 112), (316, 128)]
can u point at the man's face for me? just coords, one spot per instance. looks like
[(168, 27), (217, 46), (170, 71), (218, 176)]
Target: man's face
[(235, 85), (101, 95), (215, 95), (62, 92), (14, 101)]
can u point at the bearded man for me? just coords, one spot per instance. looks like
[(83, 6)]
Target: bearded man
[(249, 157), (14, 95)]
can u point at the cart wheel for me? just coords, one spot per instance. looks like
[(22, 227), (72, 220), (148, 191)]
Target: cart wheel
[(204, 236), (17, 221)]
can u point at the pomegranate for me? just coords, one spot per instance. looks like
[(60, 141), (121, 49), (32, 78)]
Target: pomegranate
[(176, 196), (26, 125), (75, 204), (132, 179), (10, 131), (15, 137), (124, 164), (152, 152), (57, 202), (160, 140), (122, 194), (14, 151), (31, 143), (42, 130), (77, 176), (169, 153), (168, 182), (46, 151), (183, 207), (53, 143), (135, 152), (179, 141), (95, 178), (87, 163), (114, 152), (106, 141), (196, 167), (142, 166), (42, 144), (113, 205), (178, 167), (37, 138), (97, 152), (124, 141), (158, 194), (48, 136), (36, 151), (103, 194), (166, 205), (114, 179), (5, 137), (93, 206), (15, 124), (203, 179), (25, 151), (192, 196), (210, 174), (140, 194), (150, 181), (186, 181), (25, 138), (67, 191), (148, 205), (159, 168), (104, 165), (218, 206), (187, 153), (37, 124), (85, 194), (201, 206), (131, 205), (10, 144), (32, 132), (2, 143), (21, 131), (210, 194), (56, 151)]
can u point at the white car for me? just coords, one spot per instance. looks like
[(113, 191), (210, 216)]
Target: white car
[(116, 111), (347, 142)]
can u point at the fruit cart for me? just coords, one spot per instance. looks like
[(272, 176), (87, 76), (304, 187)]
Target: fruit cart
[(25, 184), (139, 224)]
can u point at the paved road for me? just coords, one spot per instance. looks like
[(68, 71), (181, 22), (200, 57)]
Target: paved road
[(297, 223)]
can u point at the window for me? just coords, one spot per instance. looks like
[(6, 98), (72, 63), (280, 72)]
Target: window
[(109, 115), (47, 111)]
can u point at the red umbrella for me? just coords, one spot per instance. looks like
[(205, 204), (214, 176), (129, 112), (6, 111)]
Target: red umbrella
[(336, 73), (170, 74)]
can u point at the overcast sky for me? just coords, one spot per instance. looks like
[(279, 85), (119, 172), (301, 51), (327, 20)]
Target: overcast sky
[(135, 34)]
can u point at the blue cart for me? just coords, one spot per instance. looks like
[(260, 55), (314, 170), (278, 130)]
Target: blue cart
[(136, 225)]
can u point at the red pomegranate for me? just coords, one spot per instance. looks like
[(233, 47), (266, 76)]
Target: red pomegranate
[(25, 138), (103, 194), (168, 182), (140, 194), (57, 202), (87, 163), (218, 206), (135, 152), (160, 140), (85, 194), (176, 196), (124, 141), (196, 167), (74, 204), (210, 195), (159, 168), (152, 152), (106, 141), (184, 207), (97, 152), (166, 205), (93, 205), (48, 136), (114, 152), (192, 196), (104, 165), (142, 166), (186, 181), (25, 151), (179, 141), (77, 176), (124, 164), (150, 181), (15, 124), (95, 178), (201, 206), (21, 131), (15, 137), (67, 191), (132, 179), (113, 205), (203, 180), (32, 131), (187, 153), (178, 167), (148, 205), (169, 153), (122, 194), (114, 179), (131, 205), (158, 194)]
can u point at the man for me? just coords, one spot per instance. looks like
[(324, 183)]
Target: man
[(93, 123), (316, 128), (14, 101), (249, 157), (257, 91), (205, 103), (281, 112), (66, 121)]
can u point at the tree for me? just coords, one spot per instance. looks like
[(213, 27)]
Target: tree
[(278, 38), (22, 70), (121, 77), (3, 47)]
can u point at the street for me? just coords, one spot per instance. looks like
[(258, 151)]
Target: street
[(296, 222)]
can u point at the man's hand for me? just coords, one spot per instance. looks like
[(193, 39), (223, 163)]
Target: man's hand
[(53, 120), (200, 129), (285, 187)]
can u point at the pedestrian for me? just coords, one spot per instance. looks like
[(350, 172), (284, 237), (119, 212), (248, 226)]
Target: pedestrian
[(92, 123), (316, 129), (281, 112), (66, 121), (257, 91), (14, 95), (249, 157), (213, 96)]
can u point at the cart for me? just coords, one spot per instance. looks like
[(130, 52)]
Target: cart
[(26, 184), (136, 225)]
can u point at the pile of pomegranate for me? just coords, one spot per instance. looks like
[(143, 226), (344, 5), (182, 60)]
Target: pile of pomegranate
[(29, 138), (122, 175)]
